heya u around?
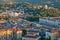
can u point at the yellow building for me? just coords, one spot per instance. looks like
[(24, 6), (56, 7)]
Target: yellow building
[(8, 34)]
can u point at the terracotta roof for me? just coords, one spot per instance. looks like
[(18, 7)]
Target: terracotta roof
[(9, 31), (2, 21)]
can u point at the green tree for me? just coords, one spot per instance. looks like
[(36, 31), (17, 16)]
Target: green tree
[(24, 32)]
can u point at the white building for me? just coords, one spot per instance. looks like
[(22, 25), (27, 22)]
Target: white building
[(48, 34), (50, 21)]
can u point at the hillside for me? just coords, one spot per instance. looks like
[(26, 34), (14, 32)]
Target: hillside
[(54, 3)]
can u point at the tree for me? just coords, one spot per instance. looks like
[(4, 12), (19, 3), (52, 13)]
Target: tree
[(24, 32), (42, 34), (49, 38)]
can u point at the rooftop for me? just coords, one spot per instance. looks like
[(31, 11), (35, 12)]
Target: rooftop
[(53, 18), (2, 21), (32, 36), (9, 31), (35, 31)]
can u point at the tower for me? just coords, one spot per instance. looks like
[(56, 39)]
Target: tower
[(46, 7)]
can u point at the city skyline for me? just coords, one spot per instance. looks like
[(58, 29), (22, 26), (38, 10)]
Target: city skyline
[(29, 19)]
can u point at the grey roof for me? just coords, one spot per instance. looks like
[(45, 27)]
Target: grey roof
[(33, 31), (52, 18), (31, 36)]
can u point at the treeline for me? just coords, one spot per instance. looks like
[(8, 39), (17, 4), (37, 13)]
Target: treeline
[(28, 8)]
